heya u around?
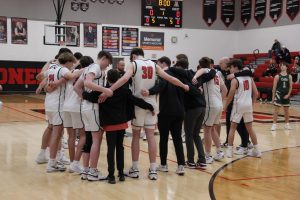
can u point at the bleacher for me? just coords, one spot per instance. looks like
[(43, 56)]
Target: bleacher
[(264, 83)]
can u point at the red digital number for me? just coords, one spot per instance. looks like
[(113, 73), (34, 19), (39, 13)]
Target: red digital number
[(147, 20), (246, 85), (147, 72), (217, 81), (151, 12), (51, 77), (178, 21), (178, 14)]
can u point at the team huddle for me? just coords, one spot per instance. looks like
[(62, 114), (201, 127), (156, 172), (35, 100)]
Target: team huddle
[(87, 99)]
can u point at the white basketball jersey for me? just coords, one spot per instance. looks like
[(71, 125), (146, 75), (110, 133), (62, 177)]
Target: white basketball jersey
[(212, 92), (100, 79), (54, 100), (144, 78), (72, 100), (243, 95)]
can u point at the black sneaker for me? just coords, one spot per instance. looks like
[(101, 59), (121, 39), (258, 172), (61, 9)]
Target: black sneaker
[(121, 177), (190, 165), (111, 180), (201, 165)]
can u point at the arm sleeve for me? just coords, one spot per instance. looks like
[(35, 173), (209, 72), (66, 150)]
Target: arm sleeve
[(63, 72), (139, 102), (207, 76), (157, 88), (243, 73), (91, 96)]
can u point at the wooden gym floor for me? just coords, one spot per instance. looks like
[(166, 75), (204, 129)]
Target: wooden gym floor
[(275, 176)]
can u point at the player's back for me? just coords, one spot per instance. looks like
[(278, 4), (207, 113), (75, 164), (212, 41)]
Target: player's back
[(72, 100), (212, 92), (243, 95)]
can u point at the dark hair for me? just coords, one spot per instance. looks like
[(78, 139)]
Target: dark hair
[(236, 63), (86, 61), (63, 50), (182, 56), (113, 75), (212, 61), (78, 55), (105, 54), (204, 62), (66, 57), (166, 60), (182, 63), (137, 52)]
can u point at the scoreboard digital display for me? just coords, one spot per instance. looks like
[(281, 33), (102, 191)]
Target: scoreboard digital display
[(162, 13)]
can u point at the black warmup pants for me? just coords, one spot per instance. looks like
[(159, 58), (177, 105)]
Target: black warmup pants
[(165, 125), (241, 128), (115, 143), (192, 124)]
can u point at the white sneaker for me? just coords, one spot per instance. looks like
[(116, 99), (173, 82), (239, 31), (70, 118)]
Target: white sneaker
[(62, 158), (152, 175), (132, 173), (219, 156), (84, 174), (287, 126), (64, 143), (229, 152), (95, 175), (163, 168), (41, 158), (273, 128), (75, 168), (57, 167), (209, 159), (254, 153), (241, 151), (145, 138), (180, 170)]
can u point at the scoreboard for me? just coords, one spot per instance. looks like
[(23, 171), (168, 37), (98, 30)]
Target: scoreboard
[(162, 13)]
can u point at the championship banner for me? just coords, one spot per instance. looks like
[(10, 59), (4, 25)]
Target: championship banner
[(19, 76), (73, 36), (130, 40), (292, 8), (153, 41), (19, 31), (111, 40), (275, 10), (246, 10), (90, 34), (227, 11), (209, 11), (3, 30), (260, 7)]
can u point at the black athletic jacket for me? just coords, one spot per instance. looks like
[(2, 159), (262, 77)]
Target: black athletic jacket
[(119, 108)]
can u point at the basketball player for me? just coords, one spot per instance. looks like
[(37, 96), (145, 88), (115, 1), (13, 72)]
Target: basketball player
[(244, 92), (143, 73), (282, 89), (94, 79), (1, 101), (214, 91)]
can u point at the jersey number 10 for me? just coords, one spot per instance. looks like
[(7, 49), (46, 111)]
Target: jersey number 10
[(147, 72), (246, 85)]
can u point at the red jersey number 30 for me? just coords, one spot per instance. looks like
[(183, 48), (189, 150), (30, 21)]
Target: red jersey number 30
[(147, 72), (246, 85)]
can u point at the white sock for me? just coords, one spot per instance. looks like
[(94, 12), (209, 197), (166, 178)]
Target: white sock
[(86, 169), (43, 151), (135, 164), (207, 154), (218, 150), (230, 147), (255, 147), (52, 162), (153, 166), (76, 162)]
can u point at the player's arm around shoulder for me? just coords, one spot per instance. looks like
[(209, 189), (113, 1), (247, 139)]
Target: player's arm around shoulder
[(233, 88)]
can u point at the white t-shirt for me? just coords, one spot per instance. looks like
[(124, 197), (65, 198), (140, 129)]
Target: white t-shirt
[(100, 79), (54, 101), (144, 78), (243, 95), (72, 100), (212, 91)]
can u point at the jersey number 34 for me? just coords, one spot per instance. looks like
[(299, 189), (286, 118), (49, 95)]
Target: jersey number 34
[(147, 72)]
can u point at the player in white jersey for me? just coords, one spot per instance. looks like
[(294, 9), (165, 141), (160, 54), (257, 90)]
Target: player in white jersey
[(244, 92), (1, 101), (94, 79), (214, 92), (143, 73)]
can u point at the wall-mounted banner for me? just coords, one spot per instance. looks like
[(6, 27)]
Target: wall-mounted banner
[(246, 11), (130, 40), (292, 8), (19, 31), (227, 11), (153, 41), (3, 30), (19, 76), (275, 9), (209, 10), (260, 7), (90, 34), (73, 36), (111, 40)]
